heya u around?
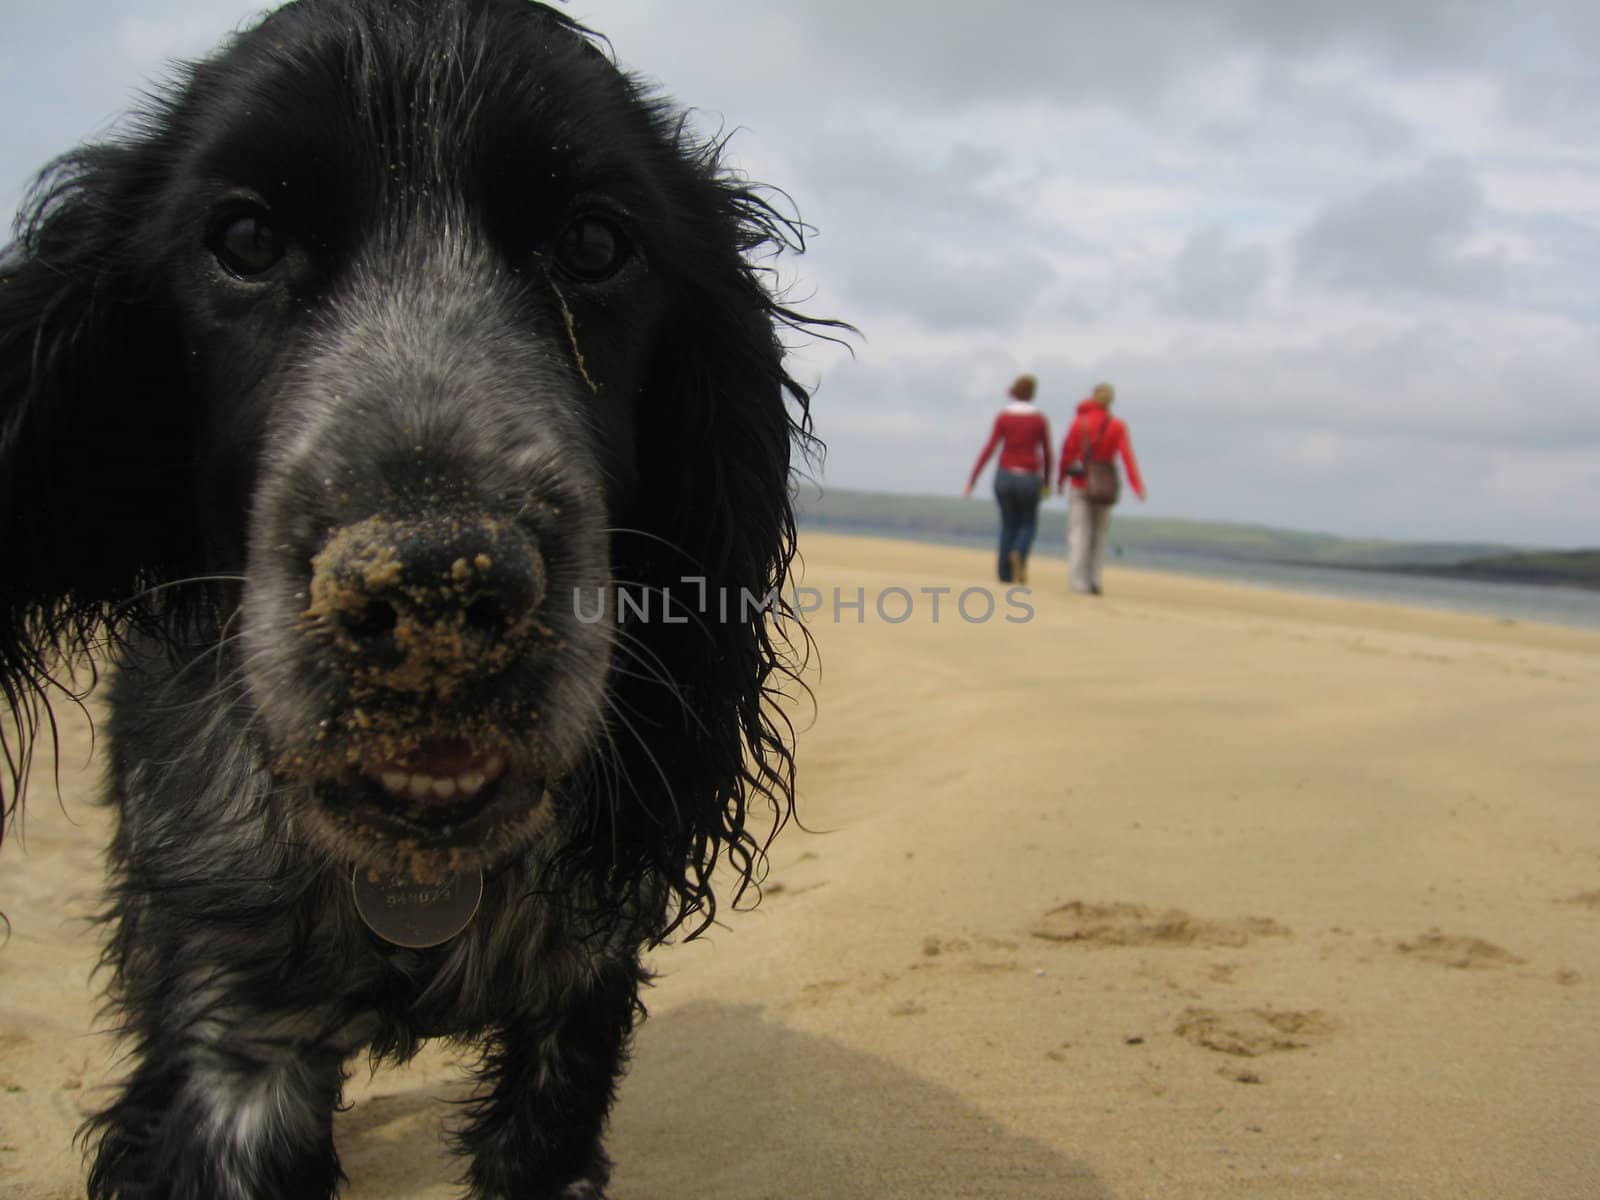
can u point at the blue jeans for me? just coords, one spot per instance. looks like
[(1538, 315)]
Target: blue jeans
[(1019, 493)]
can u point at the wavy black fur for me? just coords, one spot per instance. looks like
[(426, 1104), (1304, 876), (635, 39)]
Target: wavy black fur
[(485, 287)]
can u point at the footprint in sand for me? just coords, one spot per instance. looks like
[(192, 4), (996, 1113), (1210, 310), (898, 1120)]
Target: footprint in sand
[(1461, 952), (937, 950), (1586, 899), (1085, 924), (1249, 1032), (819, 993)]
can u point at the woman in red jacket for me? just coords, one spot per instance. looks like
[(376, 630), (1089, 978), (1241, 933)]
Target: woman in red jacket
[(1095, 436), (1021, 478)]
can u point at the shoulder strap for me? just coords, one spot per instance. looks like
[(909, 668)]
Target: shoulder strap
[(1105, 429)]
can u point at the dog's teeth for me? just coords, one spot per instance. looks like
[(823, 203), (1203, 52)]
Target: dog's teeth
[(427, 786)]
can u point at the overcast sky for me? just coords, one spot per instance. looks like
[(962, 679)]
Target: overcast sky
[(1342, 261)]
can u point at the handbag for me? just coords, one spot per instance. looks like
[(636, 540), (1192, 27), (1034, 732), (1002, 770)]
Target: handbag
[(1101, 483)]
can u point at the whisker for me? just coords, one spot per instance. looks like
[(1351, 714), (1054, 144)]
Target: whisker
[(615, 708), (653, 537), (169, 584)]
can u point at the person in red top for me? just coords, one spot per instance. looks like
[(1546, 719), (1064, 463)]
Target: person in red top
[(1099, 437), (1021, 478)]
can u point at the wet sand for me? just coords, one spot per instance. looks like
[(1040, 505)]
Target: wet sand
[(1190, 891)]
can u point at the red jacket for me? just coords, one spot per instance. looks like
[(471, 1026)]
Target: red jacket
[(1107, 437), (1023, 435)]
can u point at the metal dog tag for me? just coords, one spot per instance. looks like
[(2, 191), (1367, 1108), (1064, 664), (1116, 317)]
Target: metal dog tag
[(416, 915)]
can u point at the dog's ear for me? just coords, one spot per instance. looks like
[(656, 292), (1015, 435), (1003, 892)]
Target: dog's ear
[(720, 426), (94, 448)]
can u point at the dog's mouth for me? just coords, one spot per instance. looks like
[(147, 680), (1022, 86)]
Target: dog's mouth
[(441, 779), (446, 799)]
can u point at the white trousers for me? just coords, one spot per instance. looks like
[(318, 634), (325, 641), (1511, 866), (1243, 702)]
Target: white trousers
[(1086, 542)]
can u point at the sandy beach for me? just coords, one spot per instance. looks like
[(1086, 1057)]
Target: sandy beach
[(1190, 891)]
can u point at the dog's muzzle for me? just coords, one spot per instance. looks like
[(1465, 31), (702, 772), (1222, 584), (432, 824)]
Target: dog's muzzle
[(416, 620), (425, 606)]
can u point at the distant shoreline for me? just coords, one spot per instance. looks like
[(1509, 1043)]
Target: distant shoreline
[(943, 518), (1436, 588), (1472, 571)]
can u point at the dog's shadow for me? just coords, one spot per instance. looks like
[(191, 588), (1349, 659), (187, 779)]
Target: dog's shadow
[(724, 1105)]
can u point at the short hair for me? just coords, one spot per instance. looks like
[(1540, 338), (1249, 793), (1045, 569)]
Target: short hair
[(1104, 394), (1023, 387)]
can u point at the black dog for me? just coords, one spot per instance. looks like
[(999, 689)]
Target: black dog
[(399, 408)]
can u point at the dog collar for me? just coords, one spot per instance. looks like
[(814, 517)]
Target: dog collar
[(416, 915)]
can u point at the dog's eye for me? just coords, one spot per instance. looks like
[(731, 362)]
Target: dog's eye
[(591, 248), (248, 246)]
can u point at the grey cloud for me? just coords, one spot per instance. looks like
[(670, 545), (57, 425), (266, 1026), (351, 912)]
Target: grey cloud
[(1378, 484), (925, 236), (1419, 31), (943, 388), (944, 190), (951, 53), (63, 85), (1216, 277), (1403, 236), (1427, 381), (1561, 279), (942, 289), (877, 161), (1328, 116), (947, 236)]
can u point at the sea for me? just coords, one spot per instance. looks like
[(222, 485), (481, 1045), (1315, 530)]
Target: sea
[(1547, 605)]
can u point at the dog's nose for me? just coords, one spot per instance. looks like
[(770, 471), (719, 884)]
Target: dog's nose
[(424, 605)]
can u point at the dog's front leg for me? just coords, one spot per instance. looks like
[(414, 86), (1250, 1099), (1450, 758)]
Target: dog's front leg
[(547, 1080), (221, 1111)]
